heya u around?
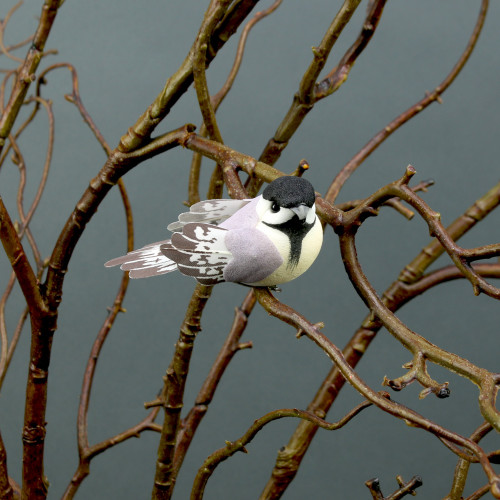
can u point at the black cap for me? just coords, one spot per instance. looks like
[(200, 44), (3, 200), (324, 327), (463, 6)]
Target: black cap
[(290, 191)]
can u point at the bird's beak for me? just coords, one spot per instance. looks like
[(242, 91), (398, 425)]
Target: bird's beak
[(304, 213)]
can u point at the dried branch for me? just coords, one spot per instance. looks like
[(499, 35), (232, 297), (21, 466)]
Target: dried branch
[(19, 262), (486, 381), (305, 98), (339, 74), (430, 97), (85, 451), (213, 16), (92, 451), (6, 492), (175, 380), (462, 467), (479, 493), (3, 23), (230, 347), (411, 282), (404, 489), (26, 74), (216, 100), (180, 81), (285, 469), (232, 447), (75, 99)]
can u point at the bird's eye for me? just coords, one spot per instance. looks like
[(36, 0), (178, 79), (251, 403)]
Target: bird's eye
[(275, 207)]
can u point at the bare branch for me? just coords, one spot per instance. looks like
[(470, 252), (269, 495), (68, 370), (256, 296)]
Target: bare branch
[(26, 74), (175, 380), (430, 97), (232, 447)]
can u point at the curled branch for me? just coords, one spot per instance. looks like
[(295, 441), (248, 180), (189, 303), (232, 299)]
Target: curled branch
[(26, 73), (430, 97), (293, 318), (232, 447)]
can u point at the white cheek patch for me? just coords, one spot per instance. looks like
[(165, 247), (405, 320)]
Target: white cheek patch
[(275, 218)]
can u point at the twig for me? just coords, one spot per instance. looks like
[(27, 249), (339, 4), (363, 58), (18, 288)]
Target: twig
[(83, 468), (232, 447), (213, 16), (305, 98), (230, 347), (26, 74), (404, 489), (19, 262), (339, 74), (293, 318), (82, 425), (180, 81), (6, 492), (462, 467), (411, 282), (485, 380), (3, 23), (216, 100), (75, 99), (435, 95)]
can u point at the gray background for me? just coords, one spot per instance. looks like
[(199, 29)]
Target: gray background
[(123, 51)]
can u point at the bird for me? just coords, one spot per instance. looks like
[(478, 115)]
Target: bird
[(259, 242)]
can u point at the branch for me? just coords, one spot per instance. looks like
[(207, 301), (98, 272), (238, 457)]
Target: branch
[(221, 153), (216, 100), (6, 492), (404, 489), (462, 467), (230, 347), (210, 464), (27, 71), (486, 381), (411, 282), (175, 380), (114, 168), (304, 99), (180, 81), (339, 74), (430, 97), (19, 262), (305, 328)]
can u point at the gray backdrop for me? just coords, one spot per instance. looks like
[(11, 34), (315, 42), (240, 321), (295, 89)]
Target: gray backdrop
[(123, 51)]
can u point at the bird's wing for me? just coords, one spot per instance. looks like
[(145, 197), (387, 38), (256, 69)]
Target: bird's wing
[(145, 262), (199, 251), (209, 211)]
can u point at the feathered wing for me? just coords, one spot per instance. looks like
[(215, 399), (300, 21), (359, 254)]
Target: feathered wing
[(209, 211), (199, 251), (145, 262)]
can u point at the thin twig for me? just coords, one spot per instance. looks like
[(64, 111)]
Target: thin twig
[(430, 97), (230, 347), (218, 456), (293, 318), (26, 74)]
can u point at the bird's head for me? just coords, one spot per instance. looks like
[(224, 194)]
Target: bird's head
[(287, 197)]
